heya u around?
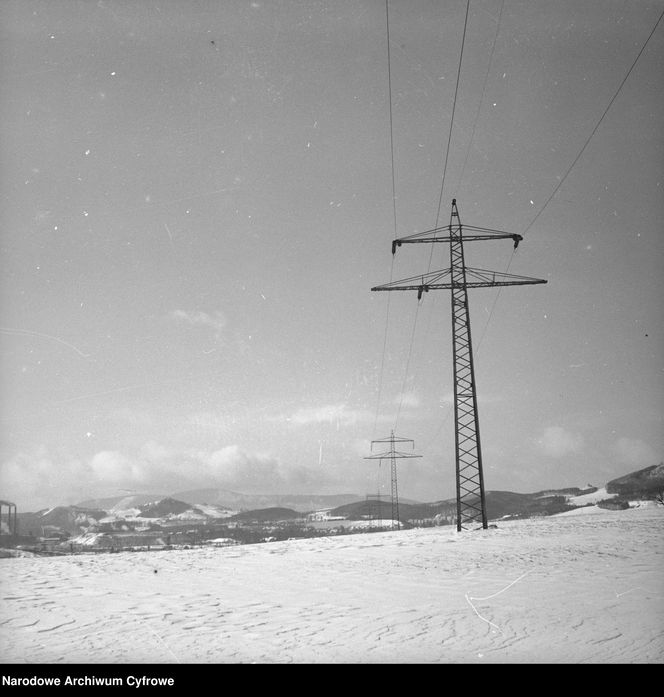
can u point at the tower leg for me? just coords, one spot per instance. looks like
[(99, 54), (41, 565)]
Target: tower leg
[(395, 496), (471, 505)]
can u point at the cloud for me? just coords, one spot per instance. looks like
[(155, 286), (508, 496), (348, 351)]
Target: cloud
[(635, 453), (217, 322), (231, 467), (35, 480), (107, 466), (341, 414), (557, 442)]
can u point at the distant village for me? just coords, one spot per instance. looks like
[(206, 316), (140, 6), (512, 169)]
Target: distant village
[(171, 524)]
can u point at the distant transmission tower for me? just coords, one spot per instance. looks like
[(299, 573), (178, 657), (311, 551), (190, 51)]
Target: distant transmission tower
[(392, 455), (471, 504)]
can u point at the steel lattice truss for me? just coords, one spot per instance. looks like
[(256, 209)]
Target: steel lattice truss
[(448, 279), (392, 455), (478, 234), (471, 504), (469, 474)]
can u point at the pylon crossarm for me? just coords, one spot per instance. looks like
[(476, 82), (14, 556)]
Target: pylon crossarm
[(388, 455), (416, 282), (475, 278), (498, 278), (395, 439), (477, 234)]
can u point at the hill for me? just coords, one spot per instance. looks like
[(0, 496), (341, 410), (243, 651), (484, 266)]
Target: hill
[(382, 509), (210, 506), (165, 507), (237, 501), (507, 504), (64, 518), (263, 515), (642, 484), (499, 504)]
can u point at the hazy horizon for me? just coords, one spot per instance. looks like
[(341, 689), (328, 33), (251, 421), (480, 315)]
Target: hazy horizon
[(155, 495)]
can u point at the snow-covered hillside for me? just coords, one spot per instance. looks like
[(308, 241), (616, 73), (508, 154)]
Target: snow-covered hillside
[(584, 588), (593, 498)]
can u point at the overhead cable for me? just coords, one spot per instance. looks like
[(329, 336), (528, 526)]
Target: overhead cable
[(597, 125)]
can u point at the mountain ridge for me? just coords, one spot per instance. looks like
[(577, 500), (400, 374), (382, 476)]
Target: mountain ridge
[(233, 499), (206, 504)]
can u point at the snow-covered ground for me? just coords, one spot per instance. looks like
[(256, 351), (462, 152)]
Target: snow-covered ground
[(584, 499), (367, 524), (574, 589)]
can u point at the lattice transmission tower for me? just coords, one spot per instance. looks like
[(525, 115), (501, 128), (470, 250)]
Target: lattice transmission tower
[(471, 504), (392, 455)]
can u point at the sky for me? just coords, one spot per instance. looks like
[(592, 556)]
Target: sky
[(197, 198)]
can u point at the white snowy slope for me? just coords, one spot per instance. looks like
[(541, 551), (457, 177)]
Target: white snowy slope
[(585, 499), (553, 590)]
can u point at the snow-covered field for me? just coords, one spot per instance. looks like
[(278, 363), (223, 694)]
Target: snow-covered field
[(572, 589), (599, 495)]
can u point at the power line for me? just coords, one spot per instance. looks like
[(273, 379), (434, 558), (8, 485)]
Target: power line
[(472, 137), (481, 102), (394, 207), (493, 47), (447, 151), (442, 186), (389, 89), (560, 183), (382, 360), (405, 374), (493, 307), (569, 169), (597, 125), (456, 91), (440, 198)]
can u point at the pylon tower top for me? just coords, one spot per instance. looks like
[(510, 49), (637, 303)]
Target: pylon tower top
[(391, 439)]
